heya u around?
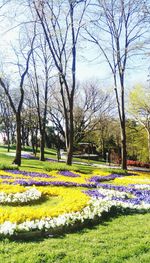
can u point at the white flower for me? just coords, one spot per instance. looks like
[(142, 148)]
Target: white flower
[(25, 197), (7, 228)]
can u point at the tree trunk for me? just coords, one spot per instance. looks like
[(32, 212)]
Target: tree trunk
[(42, 145), (123, 127), (69, 154), (123, 147), (8, 141), (17, 159), (148, 138), (36, 140), (70, 136), (33, 142), (23, 135), (27, 137)]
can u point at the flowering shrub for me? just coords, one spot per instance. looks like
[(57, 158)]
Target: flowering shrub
[(138, 164)]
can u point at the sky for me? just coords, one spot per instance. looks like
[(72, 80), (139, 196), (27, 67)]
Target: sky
[(88, 67)]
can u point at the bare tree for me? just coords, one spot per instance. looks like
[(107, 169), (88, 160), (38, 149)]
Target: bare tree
[(118, 28), (56, 112), (30, 123), (91, 103), (17, 109), (61, 22), (7, 119), (40, 83)]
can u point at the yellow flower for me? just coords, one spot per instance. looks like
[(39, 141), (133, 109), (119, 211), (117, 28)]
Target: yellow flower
[(69, 200)]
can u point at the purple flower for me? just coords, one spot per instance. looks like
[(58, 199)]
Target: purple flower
[(28, 156), (31, 174), (6, 176), (68, 173), (140, 195), (26, 182), (133, 201), (94, 193), (110, 177)]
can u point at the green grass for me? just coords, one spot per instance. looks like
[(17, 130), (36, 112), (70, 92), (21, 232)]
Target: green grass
[(63, 167), (114, 170), (49, 153), (31, 164), (5, 160), (121, 239), (4, 166), (38, 204)]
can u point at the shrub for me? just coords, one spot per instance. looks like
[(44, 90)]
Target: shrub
[(60, 167), (138, 164), (115, 171), (4, 166)]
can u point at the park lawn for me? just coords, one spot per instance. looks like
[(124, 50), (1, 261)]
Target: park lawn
[(120, 239), (49, 153), (31, 164)]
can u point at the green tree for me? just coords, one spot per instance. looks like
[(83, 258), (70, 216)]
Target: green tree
[(139, 107), (136, 141)]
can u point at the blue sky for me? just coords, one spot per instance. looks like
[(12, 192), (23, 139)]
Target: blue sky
[(87, 67)]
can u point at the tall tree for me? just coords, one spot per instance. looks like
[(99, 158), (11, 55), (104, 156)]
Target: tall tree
[(17, 108), (89, 103), (61, 22), (40, 83), (117, 31), (7, 118)]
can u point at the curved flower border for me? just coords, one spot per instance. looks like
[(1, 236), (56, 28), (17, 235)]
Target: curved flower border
[(95, 208)]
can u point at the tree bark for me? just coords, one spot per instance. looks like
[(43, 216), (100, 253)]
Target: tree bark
[(42, 145), (69, 154), (17, 159), (70, 146), (148, 138), (123, 128), (123, 147), (8, 140)]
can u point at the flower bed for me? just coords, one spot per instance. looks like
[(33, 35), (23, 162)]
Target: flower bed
[(65, 198)]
